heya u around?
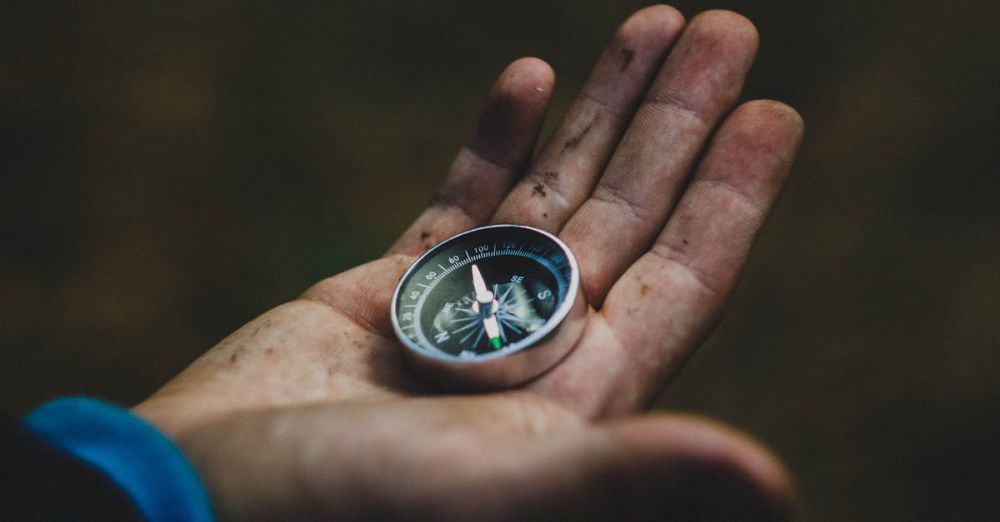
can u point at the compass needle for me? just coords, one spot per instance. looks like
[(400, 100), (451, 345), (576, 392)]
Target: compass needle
[(503, 335), (483, 294)]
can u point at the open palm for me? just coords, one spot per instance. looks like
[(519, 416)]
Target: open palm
[(658, 185)]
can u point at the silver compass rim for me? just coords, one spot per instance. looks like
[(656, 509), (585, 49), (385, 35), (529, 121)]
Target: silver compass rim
[(536, 338)]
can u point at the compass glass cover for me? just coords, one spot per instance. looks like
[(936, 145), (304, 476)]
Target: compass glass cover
[(528, 272)]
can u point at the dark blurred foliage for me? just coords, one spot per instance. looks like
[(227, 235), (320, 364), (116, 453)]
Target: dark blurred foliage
[(171, 169)]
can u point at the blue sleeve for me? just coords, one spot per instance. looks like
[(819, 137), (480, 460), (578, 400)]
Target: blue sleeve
[(147, 467)]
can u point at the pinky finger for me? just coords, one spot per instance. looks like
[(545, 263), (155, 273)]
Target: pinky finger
[(485, 168)]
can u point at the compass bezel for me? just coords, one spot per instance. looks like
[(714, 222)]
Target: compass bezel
[(514, 363)]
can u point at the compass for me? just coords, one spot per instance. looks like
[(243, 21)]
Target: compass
[(489, 308)]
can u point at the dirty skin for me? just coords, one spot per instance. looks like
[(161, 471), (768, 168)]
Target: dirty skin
[(574, 142), (627, 56), (538, 190)]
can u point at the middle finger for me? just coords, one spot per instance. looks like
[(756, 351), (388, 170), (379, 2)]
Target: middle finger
[(700, 81), (564, 173)]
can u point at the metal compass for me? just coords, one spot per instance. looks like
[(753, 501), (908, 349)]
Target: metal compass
[(489, 308)]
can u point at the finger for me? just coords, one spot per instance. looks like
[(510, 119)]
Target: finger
[(391, 461), (564, 173), (674, 467), (485, 168), (699, 82), (669, 300), (659, 468)]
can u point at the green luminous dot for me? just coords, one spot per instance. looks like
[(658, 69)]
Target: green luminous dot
[(495, 342)]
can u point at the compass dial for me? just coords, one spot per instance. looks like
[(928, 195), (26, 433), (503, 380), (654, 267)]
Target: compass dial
[(485, 294)]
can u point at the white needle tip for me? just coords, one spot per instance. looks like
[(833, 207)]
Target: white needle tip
[(483, 294)]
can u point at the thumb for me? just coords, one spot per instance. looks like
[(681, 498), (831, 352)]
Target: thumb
[(663, 467)]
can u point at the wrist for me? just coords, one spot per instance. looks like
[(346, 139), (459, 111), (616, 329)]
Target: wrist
[(146, 465)]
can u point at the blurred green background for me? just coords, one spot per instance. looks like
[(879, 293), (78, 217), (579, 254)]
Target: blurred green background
[(172, 169)]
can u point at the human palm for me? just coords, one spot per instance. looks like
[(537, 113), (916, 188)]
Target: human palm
[(658, 186)]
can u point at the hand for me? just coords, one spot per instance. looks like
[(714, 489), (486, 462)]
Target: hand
[(658, 185)]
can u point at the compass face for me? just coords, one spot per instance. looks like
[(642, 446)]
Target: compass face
[(485, 293)]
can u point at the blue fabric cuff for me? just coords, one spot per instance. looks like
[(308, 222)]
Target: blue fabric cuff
[(144, 463)]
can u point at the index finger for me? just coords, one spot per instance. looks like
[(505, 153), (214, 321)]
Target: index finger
[(485, 169)]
